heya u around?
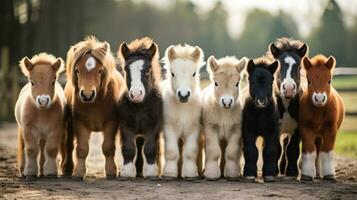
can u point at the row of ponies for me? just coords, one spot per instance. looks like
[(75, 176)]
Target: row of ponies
[(283, 97)]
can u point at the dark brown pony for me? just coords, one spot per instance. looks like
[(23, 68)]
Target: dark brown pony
[(141, 117), (93, 89), (321, 114)]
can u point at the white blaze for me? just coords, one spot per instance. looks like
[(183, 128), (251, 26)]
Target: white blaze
[(90, 63), (135, 72)]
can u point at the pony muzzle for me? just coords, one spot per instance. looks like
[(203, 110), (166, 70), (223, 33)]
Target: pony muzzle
[(183, 95), (319, 98), (43, 101), (87, 96), (288, 90), (136, 95), (261, 102), (227, 101)]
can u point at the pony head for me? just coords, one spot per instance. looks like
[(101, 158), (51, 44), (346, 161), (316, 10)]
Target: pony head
[(225, 75), (89, 64), (289, 53), (42, 71), (140, 62), (319, 71), (261, 76), (183, 64)]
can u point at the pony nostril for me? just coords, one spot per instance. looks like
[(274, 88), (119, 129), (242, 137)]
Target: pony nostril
[(131, 95), (323, 98), (230, 102), (294, 86), (141, 92), (188, 94), (224, 104), (284, 87)]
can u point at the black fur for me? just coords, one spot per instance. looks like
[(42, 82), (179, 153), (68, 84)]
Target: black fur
[(260, 121), (289, 151), (144, 119)]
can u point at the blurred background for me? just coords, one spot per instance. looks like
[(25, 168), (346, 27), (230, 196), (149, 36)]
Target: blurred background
[(240, 28)]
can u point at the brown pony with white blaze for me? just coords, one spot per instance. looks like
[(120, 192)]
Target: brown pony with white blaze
[(321, 114), (93, 89), (40, 115)]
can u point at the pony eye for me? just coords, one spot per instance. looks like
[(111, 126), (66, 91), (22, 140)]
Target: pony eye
[(194, 74), (32, 83), (215, 83), (309, 82), (237, 84), (329, 82), (172, 74)]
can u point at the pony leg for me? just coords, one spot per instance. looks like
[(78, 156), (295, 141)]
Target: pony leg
[(42, 155), (31, 152), (82, 150), (201, 144), (250, 151), (172, 153), (213, 154), (293, 154), (50, 152), (232, 155), (128, 150), (108, 148), (327, 154), (189, 154), (150, 168), (20, 153), (270, 154), (67, 148), (308, 169)]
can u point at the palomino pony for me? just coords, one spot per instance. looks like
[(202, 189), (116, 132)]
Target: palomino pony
[(40, 114), (222, 118), (182, 111), (288, 90), (260, 118), (141, 117), (321, 114), (93, 89)]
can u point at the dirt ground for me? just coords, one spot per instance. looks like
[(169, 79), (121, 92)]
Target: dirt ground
[(95, 187)]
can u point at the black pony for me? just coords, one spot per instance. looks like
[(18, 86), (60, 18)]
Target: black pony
[(140, 111), (289, 53), (260, 118)]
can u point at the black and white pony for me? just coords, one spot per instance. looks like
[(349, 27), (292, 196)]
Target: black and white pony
[(260, 118), (140, 111), (288, 90)]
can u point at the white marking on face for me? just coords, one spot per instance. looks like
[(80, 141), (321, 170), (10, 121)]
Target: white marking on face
[(90, 63), (137, 88), (288, 83), (319, 98), (226, 101), (43, 101)]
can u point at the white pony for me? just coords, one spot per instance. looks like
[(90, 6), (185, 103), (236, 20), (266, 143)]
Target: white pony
[(221, 118), (182, 111)]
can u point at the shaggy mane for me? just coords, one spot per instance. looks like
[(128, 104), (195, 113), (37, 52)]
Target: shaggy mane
[(41, 58), (263, 61), (286, 44), (184, 51), (227, 65), (89, 44), (318, 60)]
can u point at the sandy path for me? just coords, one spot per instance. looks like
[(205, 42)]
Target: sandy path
[(95, 187)]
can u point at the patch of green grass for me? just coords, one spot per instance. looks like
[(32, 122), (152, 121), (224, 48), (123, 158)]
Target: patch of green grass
[(346, 143), (345, 82)]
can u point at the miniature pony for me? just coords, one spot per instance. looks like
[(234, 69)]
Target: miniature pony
[(182, 110), (321, 114), (93, 89), (260, 118), (221, 118), (140, 111), (288, 91), (40, 114)]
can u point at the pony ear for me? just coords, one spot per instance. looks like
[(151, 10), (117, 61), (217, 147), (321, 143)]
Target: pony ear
[(170, 53), (274, 50), (274, 66), (26, 65), (212, 63), (331, 62), (306, 63), (105, 47), (241, 64), (124, 50), (197, 54), (152, 49), (250, 66), (58, 65), (302, 51)]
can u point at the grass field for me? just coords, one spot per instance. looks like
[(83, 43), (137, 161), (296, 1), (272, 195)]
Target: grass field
[(345, 82), (346, 143)]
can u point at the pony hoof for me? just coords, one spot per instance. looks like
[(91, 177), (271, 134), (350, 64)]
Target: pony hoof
[(169, 178), (269, 179), (110, 177), (191, 178), (329, 178), (77, 178), (211, 179), (152, 178), (288, 178), (248, 179), (50, 176), (30, 177), (125, 178), (306, 178), (236, 178)]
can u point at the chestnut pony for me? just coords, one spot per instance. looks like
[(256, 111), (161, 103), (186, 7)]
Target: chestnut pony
[(321, 114), (40, 114), (93, 89)]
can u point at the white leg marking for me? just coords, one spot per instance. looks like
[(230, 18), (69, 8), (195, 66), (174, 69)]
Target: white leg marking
[(189, 155), (150, 170), (129, 170), (327, 164), (171, 153), (308, 164)]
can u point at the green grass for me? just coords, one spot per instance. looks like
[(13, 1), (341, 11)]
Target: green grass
[(345, 82), (346, 143)]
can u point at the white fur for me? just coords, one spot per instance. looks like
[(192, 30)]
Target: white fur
[(43, 98), (129, 170), (150, 170), (181, 120), (288, 80), (319, 98), (135, 72), (327, 164), (90, 63), (308, 164), (287, 123)]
